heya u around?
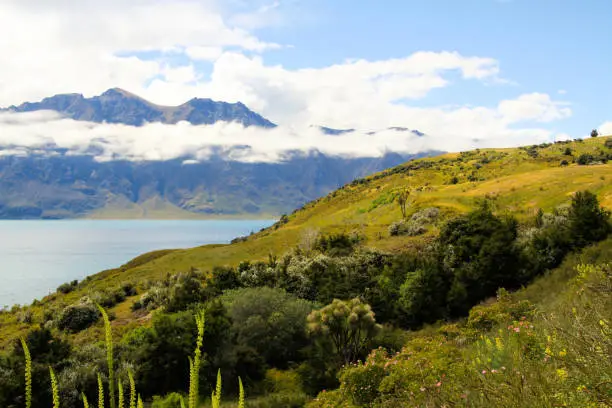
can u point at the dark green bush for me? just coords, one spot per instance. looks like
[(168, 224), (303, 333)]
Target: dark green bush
[(78, 317)]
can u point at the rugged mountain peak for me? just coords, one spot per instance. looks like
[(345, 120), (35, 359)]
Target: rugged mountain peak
[(117, 105)]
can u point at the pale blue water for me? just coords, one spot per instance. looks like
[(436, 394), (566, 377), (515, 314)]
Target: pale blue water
[(37, 256)]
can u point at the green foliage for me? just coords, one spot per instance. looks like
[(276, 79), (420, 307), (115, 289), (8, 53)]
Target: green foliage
[(349, 325), (68, 287), (417, 225), (594, 133), (588, 221), (269, 321), (175, 293), (77, 317), (172, 400), (505, 355), (336, 244), (84, 398)]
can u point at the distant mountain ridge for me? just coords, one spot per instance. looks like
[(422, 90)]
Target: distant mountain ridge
[(57, 184), (119, 106)]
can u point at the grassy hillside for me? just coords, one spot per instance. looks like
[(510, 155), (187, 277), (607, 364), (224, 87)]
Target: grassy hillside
[(518, 181)]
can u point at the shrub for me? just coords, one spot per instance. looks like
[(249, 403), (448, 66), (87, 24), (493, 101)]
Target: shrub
[(172, 400), (588, 221), (563, 163), (350, 326), (608, 143), (270, 321), (585, 159), (75, 318), (417, 225), (336, 244), (68, 287)]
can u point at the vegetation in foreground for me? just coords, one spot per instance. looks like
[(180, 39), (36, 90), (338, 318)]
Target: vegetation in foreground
[(295, 325)]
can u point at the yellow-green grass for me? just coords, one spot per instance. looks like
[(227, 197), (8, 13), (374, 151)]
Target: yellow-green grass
[(518, 184)]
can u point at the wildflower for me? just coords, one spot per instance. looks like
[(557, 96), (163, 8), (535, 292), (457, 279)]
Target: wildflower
[(422, 389), (562, 353), (494, 371), (439, 383), (517, 329), (562, 374), (548, 351), (499, 343), (484, 372)]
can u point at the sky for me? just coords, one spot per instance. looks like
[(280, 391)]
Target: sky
[(468, 73)]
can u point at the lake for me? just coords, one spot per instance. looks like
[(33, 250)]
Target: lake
[(37, 256)]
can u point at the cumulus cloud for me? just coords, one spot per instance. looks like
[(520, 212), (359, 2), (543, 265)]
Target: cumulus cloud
[(88, 45), (606, 128)]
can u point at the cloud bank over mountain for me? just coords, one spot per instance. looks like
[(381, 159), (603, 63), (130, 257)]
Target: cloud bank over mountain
[(171, 51), (47, 133)]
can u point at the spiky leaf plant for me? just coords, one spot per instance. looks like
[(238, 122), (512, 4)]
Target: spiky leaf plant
[(109, 356), (54, 389), (120, 393), (140, 404), (100, 392), (132, 389), (241, 403), (28, 373), (85, 403), (194, 364), (216, 395)]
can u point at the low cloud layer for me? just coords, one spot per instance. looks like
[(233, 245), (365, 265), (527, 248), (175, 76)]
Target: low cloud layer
[(47, 133)]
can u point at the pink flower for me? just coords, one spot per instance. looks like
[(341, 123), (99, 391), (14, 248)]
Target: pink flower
[(517, 329), (484, 371), (494, 371), (439, 383)]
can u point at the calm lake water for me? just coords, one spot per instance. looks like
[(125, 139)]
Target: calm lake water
[(37, 256)]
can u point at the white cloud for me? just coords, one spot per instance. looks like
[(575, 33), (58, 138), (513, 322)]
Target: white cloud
[(89, 46), (68, 46), (536, 106), (605, 128), (40, 132)]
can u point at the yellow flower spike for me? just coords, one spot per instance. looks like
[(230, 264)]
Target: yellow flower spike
[(499, 343), (563, 353)]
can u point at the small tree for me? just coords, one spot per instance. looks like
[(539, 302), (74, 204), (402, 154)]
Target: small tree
[(350, 325), (402, 199), (594, 133), (588, 221)]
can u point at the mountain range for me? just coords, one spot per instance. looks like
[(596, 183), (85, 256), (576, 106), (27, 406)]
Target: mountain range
[(62, 185)]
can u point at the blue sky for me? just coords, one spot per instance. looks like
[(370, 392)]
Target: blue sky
[(468, 73), (544, 45)]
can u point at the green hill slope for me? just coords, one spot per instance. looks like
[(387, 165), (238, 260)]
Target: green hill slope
[(518, 181)]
